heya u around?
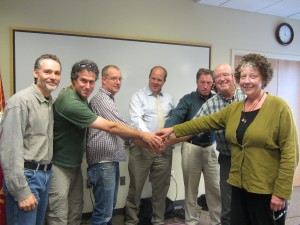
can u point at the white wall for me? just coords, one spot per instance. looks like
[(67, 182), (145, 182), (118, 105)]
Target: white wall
[(172, 20)]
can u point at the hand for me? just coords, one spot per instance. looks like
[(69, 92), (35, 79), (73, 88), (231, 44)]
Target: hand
[(168, 143), (165, 132), (152, 140), (277, 203), (162, 148), (28, 204), (155, 150)]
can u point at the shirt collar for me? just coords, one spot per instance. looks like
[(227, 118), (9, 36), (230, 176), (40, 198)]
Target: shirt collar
[(149, 92), (37, 93), (233, 97), (107, 92), (200, 96)]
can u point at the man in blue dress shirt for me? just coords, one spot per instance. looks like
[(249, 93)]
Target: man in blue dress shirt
[(148, 115), (198, 153)]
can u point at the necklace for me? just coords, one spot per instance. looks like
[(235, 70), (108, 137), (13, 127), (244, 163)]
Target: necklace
[(244, 119)]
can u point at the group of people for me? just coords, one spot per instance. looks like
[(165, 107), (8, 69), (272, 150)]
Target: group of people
[(42, 143), (261, 137), (242, 139)]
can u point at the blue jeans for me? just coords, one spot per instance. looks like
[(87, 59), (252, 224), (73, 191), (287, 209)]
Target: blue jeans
[(38, 182), (104, 177)]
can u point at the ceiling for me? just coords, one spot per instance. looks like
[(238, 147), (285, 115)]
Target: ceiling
[(283, 8)]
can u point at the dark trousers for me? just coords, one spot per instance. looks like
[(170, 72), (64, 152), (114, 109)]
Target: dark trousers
[(225, 188), (252, 209)]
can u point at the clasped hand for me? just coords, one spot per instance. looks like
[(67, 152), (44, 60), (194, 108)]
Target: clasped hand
[(159, 141)]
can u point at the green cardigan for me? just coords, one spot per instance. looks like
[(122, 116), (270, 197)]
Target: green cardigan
[(265, 162)]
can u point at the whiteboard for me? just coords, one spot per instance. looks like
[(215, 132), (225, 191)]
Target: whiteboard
[(135, 58)]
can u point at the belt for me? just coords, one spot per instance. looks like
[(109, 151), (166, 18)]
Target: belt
[(37, 166), (203, 145)]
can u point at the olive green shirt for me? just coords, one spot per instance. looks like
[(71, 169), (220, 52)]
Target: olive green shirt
[(265, 162)]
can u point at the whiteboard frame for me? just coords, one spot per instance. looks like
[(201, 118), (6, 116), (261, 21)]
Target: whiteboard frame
[(14, 32), (182, 64)]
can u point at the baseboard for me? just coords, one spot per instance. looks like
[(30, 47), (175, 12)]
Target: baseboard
[(120, 211)]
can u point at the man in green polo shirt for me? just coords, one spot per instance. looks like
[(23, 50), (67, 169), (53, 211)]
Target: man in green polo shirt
[(72, 117)]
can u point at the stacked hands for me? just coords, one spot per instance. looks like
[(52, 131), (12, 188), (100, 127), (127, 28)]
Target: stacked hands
[(160, 141)]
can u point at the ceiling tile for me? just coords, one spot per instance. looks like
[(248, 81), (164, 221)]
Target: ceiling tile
[(249, 5), (296, 16), (283, 8)]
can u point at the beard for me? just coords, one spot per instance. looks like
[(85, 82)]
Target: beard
[(46, 87), (51, 87)]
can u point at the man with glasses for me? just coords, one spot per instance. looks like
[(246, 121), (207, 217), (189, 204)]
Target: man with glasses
[(198, 153), (26, 145), (72, 116), (227, 93), (105, 150)]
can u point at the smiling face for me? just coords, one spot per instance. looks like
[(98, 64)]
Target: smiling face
[(251, 81), (112, 80), (47, 76), (224, 81), (157, 80), (84, 84)]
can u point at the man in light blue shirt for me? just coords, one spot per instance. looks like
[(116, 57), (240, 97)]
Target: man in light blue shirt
[(145, 116)]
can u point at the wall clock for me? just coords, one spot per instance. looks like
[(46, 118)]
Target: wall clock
[(284, 33)]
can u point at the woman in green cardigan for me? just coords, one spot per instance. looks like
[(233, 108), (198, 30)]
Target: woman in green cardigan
[(264, 146)]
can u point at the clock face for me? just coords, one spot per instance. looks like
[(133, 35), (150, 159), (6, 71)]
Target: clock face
[(285, 34)]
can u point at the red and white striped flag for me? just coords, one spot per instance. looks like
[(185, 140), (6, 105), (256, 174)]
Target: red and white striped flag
[(2, 199)]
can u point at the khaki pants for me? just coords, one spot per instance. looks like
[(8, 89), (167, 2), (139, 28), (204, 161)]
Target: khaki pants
[(65, 202), (197, 160), (141, 163)]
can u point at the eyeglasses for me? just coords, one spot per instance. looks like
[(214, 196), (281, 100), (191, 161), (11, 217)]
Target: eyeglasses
[(115, 79), (216, 76), (84, 65), (277, 217)]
